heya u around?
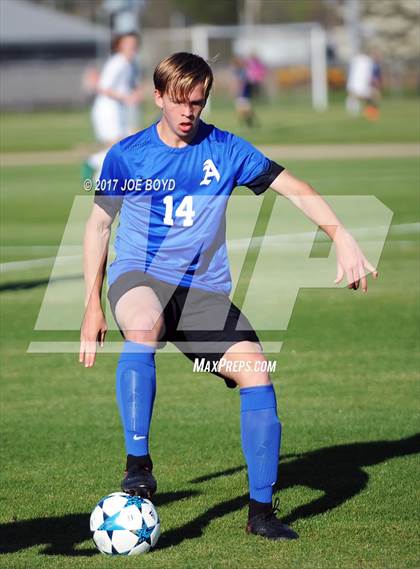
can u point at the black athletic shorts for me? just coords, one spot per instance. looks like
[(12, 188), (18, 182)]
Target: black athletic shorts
[(201, 324)]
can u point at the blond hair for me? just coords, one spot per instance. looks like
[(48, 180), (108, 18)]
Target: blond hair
[(178, 74)]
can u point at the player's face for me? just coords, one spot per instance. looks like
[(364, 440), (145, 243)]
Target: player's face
[(128, 46), (182, 118)]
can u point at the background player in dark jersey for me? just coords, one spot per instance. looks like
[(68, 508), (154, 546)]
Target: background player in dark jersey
[(170, 280)]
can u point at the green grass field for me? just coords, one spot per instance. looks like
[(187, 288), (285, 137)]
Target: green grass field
[(346, 383)]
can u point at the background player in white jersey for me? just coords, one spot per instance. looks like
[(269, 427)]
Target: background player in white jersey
[(364, 85), (118, 95), (170, 280)]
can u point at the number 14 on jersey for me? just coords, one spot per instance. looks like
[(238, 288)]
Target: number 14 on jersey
[(184, 210)]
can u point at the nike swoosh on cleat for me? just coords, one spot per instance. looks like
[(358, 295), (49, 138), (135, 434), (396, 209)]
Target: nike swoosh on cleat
[(138, 437)]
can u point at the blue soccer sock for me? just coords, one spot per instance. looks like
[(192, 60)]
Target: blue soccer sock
[(136, 389), (261, 433)]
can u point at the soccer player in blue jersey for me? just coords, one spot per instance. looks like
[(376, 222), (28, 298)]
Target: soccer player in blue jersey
[(170, 280)]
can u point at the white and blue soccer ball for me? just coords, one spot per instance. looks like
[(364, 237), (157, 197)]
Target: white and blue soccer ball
[(124, 524)]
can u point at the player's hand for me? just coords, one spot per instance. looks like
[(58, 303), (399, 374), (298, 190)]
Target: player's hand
[(93, 330), (351, 262)]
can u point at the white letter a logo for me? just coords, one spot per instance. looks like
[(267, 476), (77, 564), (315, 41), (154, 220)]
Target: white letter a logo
[(210, 172)]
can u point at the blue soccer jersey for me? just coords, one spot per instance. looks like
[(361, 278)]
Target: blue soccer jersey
[(172, 203)]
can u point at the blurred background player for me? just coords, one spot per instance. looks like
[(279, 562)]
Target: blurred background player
[(372, 109), (243, 88), (115, 111), (256, 72), (363, 86)]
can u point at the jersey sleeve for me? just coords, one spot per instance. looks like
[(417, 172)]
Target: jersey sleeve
[(253, 169), (109, 192)]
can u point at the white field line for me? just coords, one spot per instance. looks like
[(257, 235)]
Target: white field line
[(41, 249), (287, 152), (33, 263), (293, 238), (270, 347), (233, 244)]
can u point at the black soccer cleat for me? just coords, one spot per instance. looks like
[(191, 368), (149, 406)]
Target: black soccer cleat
[(138, 479), (269, 526)]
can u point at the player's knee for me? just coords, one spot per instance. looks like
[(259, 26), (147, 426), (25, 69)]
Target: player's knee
[(247, 370), (245, 347), (144, 328), (140, 337), (252, 379)]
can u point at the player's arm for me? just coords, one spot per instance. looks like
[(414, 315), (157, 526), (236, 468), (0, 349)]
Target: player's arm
[(112, 94), (350, 259), (95, 253)]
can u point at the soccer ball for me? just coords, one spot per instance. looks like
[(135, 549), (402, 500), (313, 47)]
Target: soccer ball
[(124, 524)]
